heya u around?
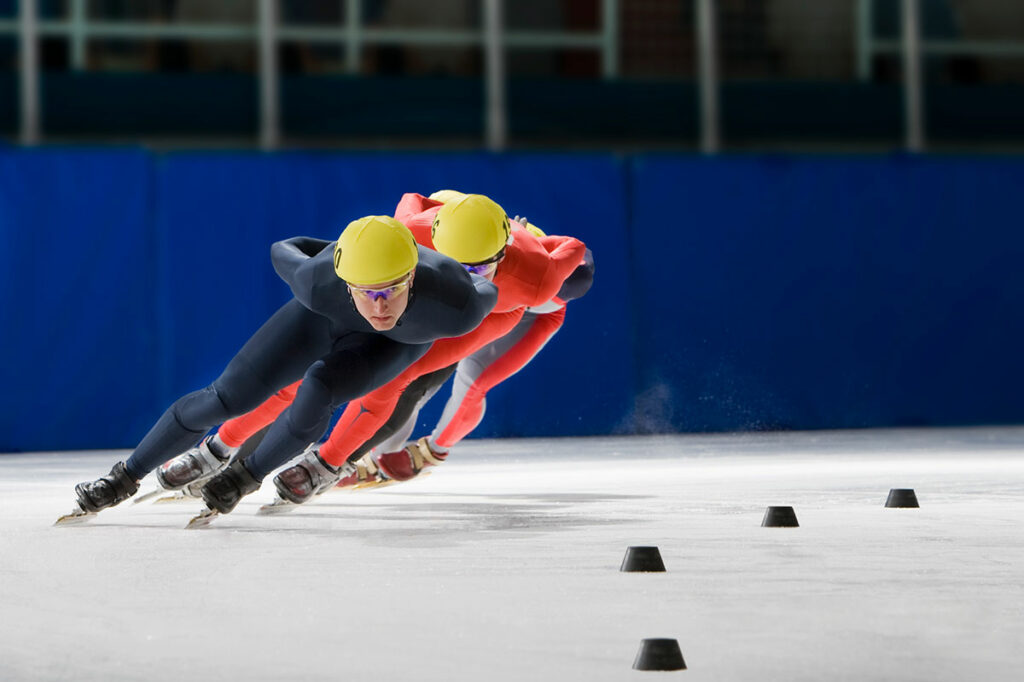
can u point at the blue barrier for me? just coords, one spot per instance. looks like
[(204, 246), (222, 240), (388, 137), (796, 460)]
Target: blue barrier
[(829, 292), (76, 302), (731, 293)]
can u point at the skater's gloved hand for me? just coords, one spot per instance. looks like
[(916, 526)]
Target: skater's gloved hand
[(223, 491)]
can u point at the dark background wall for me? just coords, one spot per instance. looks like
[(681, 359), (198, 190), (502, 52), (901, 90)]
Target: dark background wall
[(731, 293)]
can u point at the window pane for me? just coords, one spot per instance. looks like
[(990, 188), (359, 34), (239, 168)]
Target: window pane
[(312, 12), (8, 85), (418, 14)]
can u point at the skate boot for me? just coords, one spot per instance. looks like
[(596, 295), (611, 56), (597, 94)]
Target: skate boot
[(410, 461), (364, 474), (223, 492), (110, 490), (311, 476), (189, 470)]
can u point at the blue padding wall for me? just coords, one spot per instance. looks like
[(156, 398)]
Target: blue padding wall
[(816, 292), (78, 351), (175, 249), (732, 293)]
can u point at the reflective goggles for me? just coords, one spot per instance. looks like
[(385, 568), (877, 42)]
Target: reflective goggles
[(380, 293), (487, 267)]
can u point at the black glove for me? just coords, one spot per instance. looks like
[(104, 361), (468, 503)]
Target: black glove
[(223, 491)]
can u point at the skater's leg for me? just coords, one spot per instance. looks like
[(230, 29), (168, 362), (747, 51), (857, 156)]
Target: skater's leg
[(236, 431), (487, 368), (402, 421), (476, 374), (312, 475), (274, 357), (189, 470), (364, 418), (357, 365)]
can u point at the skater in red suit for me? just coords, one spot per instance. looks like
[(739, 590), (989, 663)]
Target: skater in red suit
[(394, 460)]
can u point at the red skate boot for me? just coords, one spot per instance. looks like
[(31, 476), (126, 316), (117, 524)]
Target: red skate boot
[(410, 461)]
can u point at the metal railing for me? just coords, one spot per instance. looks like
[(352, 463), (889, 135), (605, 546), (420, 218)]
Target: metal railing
[(867, 46), (492, 37), (913, 47), (268, 32)]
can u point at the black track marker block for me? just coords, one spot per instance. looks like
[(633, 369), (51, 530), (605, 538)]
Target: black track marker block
[(902, 497), (779, 517), (659, 654), (642, 560)]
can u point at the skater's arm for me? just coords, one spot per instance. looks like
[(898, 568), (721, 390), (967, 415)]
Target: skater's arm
[(291, 254), (412, 205), (565, 254), (305, 264), (417, 212), (579, 282)]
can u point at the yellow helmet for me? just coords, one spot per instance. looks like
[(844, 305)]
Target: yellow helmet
[(446, 195), (470, 229), (374, 250)]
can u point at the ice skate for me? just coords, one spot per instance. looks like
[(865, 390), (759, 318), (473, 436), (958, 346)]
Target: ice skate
[(410, 461), (223, 492), (106, 491), (194, 466), (202, 519), (190, 493), (278, 506), (310, 477), (186, 494), (76, 515)]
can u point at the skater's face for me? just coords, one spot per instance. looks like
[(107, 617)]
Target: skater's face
[(383, 304)]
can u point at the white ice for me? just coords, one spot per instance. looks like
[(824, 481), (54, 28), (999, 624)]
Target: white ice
[(504, 565)]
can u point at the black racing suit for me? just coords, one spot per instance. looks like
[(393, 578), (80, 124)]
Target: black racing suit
[(318, 336)]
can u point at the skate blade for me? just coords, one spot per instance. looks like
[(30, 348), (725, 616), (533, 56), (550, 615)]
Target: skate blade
[(278, 506), (78, 515), (385, 482), (367, 485), (148, 496), (202, 520), (177, 497)]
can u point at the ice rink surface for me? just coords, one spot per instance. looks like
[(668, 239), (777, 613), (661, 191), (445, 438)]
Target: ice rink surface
[(504, 565)]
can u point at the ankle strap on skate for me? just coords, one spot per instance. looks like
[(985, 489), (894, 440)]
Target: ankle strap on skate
[(422, 455), (366, 469)]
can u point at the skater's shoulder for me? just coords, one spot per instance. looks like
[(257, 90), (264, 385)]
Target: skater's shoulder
[(448, 282), (448, 297)]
